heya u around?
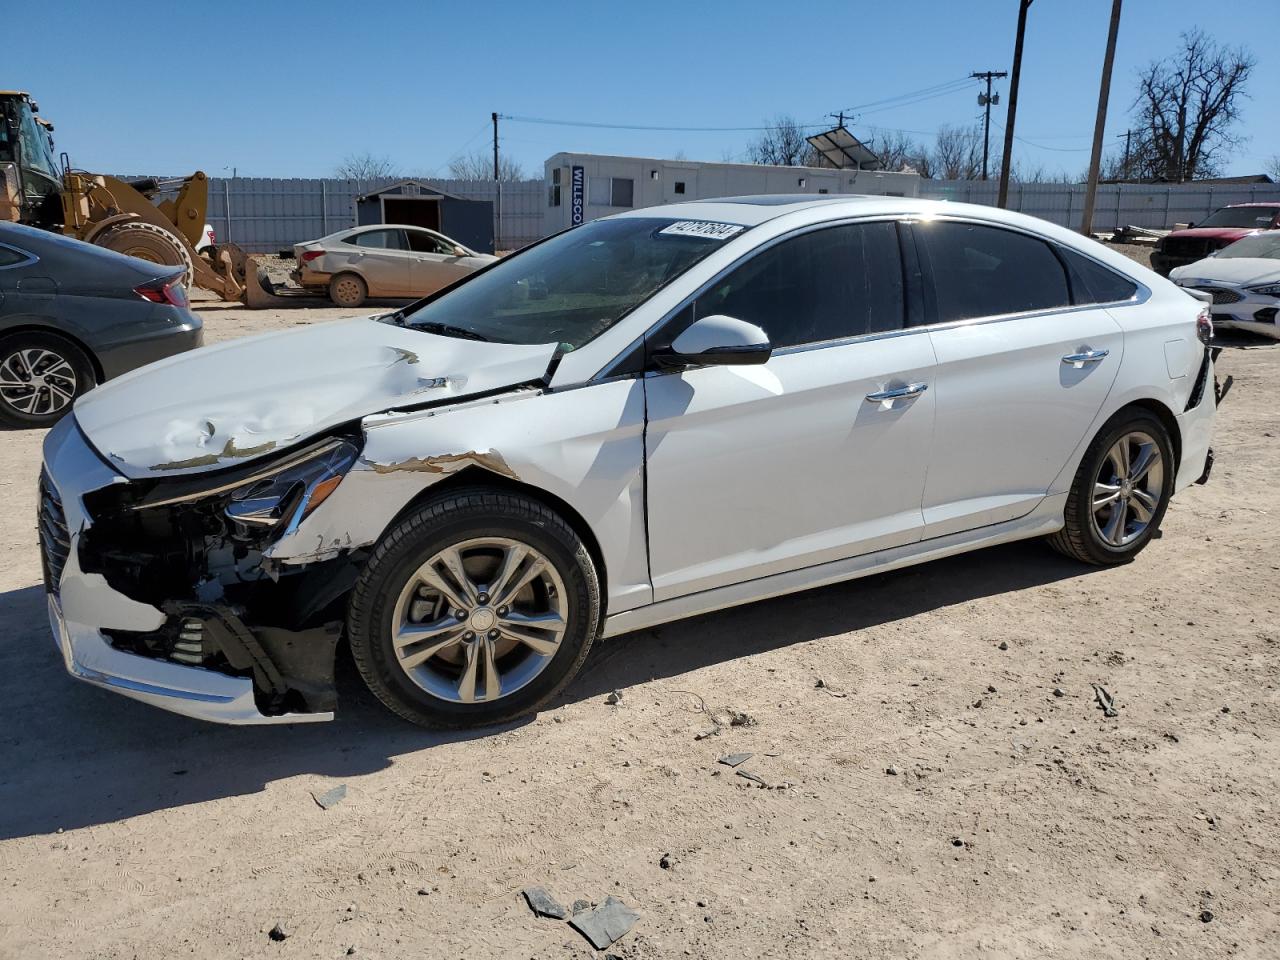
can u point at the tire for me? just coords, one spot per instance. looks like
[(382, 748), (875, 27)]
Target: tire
[(35, 355), (487, 526), (348, 290), (1127, 515), (150, 242)]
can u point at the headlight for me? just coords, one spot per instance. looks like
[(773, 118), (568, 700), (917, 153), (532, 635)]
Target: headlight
[(282, 497), (1267, 289)]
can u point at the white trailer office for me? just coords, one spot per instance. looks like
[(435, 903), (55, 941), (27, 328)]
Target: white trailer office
[(584, 186)]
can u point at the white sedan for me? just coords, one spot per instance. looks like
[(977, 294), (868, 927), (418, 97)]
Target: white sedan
[(1244, 281), (644, 418)]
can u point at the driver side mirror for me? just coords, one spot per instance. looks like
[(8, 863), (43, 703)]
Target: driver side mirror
[(716, 341)]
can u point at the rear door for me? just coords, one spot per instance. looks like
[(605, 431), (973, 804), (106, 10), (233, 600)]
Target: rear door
[(432, 262), (757, 470), (383, 260), (1022, 370)]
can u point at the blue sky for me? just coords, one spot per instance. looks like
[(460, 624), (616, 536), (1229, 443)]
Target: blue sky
[(306, 84)]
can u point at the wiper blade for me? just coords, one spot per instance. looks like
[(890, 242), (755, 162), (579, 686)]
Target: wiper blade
[(449, 330)]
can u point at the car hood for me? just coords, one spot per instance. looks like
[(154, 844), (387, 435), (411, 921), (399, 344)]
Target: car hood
[(1246, 271), (238, 401), (1214, 233)]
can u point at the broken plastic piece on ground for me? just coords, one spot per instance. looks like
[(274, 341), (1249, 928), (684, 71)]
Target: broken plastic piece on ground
[(605, 924), (1105, 701), (543, 904), (734, 759), (331, 797)]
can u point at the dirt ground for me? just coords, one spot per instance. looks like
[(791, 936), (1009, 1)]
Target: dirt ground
[(933, 796)]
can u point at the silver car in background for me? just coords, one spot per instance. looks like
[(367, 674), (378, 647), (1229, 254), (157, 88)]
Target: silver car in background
[(384, 260), (1244, 281)]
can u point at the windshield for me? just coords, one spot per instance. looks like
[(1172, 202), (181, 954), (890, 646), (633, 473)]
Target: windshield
[(1263, 246), (1252, 217), (37, 154), (576, 285)]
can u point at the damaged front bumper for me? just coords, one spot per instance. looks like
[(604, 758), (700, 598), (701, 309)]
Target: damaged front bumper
[(195, 658)]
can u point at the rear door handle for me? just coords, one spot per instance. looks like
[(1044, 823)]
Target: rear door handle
[(1080, 359), (898, 393)]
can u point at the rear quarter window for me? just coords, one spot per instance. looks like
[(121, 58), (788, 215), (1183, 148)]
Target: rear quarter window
[(1091, 282)]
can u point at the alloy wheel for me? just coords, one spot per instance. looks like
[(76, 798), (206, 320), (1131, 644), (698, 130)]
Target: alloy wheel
[(37, 381), (479, 620), (1128, 488)]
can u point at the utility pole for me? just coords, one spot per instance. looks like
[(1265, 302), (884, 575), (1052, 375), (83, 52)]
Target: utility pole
[(1128, 137), (986, 100), (1007, 161), (1104, 95), (497, 185)]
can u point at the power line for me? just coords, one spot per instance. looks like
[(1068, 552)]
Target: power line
[(639, 126), (940, 89)]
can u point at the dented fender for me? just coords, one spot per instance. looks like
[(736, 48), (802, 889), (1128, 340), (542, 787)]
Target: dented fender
[(587, 450)]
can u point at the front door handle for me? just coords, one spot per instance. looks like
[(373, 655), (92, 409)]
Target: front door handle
[(898, 393), (1078, 360)]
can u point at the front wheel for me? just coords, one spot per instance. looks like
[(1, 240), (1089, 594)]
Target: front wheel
[(1120, 492), (348, 290), (479, 606)]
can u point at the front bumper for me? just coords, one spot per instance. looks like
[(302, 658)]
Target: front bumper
[(83, 605), (1247, 310)]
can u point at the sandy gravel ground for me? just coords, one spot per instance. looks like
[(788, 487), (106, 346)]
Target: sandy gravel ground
[(934, 797)]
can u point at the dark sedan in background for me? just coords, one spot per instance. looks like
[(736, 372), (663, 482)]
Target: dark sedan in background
[(73, 315)]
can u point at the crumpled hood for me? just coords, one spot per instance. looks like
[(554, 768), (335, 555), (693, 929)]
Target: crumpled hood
[(231, 403), (1248, 271)]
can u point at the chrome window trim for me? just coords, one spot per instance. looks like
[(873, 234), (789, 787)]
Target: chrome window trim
[(31, 257), (1142, 295)]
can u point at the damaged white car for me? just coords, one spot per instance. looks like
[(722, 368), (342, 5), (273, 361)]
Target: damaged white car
[(644, 418)]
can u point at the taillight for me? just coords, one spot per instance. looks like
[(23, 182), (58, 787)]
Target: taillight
[(1204, 326), (311, 255), (171, 293)]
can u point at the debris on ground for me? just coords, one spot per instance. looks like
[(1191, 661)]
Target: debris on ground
[(280, 932), (331, 797), (748, 775), (665, 861), (606, 924), (713, 732), (1105, 701), (891, 771), (581, 906), (613, 699), (734, 759), (543, 904), (1059, 692), (823, 685), (1003, 645), (740, 718)]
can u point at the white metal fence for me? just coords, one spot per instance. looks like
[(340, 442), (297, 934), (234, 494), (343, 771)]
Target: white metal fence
[(264, 214), (1142, 205)]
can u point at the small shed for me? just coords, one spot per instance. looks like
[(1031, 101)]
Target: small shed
[(416, 203)]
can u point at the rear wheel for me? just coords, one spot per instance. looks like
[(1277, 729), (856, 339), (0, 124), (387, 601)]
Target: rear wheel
[(1120, 492), (147, 241), (41, 374), (348, 290), (478, 607)]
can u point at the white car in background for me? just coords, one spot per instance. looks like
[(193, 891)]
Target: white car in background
[(1244, 281), (386, 260), (648, 417)]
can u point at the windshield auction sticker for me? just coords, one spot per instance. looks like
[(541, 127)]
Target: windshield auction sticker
[(701, 228)]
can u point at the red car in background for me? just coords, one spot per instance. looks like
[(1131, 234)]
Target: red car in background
[(1219, 229)]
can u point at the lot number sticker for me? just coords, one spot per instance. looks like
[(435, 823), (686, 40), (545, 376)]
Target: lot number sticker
[(702, 228)]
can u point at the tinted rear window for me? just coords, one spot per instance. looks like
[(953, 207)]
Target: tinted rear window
[(981, 271), (1091, 282)]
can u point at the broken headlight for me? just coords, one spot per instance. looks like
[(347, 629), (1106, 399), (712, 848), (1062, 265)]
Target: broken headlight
[(279, 499)]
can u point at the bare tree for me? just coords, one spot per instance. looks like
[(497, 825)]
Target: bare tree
[(957, 153), (478, 165), (897, 151), (1273, 167), (366, 166), (782, 143), (1186, 109)]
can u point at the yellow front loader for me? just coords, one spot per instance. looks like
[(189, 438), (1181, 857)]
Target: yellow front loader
[(120, 215)]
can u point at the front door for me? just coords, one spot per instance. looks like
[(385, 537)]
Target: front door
[(433, 263), (1023, 369), (756, 470)]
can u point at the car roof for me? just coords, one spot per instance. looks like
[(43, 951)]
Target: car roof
[(1254, 203)]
